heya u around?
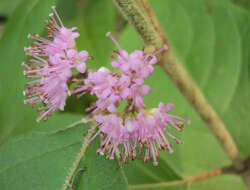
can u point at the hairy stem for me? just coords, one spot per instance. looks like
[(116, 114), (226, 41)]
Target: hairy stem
[(143, 19), (136, 19), (78, 159)]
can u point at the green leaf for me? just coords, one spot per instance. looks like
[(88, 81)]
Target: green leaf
[(101, 173), (242, 3), (28, 18), (140, 173), (211, 40), (97, 18), (223, 182), (43, 159), (7, 7)]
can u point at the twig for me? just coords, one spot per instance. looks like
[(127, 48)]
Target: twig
[(152, 34), (191, 179)]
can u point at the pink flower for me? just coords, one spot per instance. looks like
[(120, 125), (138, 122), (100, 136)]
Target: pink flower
[(152, 135), (50, 91), (98, 82), (51, 64), (137, 93), (163, 113), (146, 131), (125, 83), (112, 134), (136, 65), (122, 86), (78, 59), (152, 128), (108, 104), (103, 84)]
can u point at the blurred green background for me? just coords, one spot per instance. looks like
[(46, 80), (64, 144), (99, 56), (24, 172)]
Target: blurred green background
[(211, 39)]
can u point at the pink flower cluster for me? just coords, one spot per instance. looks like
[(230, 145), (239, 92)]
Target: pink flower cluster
[(125, 83), (51, 66), (145, 131), (134, 131)]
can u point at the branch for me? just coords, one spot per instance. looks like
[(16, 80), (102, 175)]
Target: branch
[(190, 179), (143, 19)]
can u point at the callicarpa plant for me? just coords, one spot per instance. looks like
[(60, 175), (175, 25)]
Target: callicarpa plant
[(126, 134), (119, 86)]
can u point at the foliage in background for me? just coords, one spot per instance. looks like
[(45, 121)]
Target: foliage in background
[(210, 38), (7, 7)]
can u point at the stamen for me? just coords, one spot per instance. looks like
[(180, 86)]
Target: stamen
[(92, 138), (40, 59), (38, 38), (58, 18), (43, 114), (54, 21), (114, 40)]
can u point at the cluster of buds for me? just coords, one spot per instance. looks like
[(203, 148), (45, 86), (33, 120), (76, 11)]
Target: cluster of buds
[(134, 132)]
